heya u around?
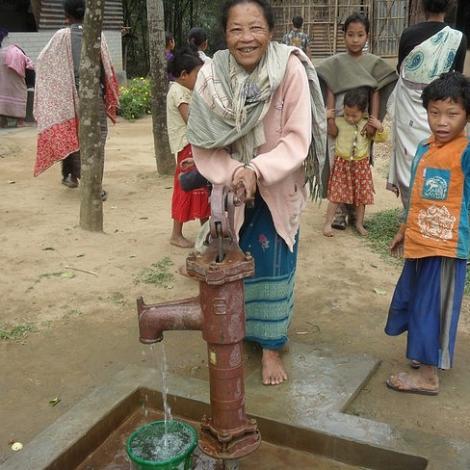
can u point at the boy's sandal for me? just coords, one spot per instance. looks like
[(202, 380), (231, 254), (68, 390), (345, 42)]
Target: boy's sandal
[(403, 382), (339, 223), (415, 364)]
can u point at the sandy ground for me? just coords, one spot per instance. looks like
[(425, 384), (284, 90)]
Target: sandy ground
[(78, 290)]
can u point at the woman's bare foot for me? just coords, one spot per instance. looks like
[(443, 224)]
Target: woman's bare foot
[(361, 230), (181, 242), (272, 368), (328, 231)]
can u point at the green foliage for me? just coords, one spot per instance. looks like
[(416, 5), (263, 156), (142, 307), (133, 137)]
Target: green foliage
[(180, 17), (382, 227), (15, 333), (135, 99), (157, 274)]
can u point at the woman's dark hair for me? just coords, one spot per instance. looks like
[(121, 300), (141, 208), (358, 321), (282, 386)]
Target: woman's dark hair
[(185, 60), (74, 9), (357, 98), (436, 6), (356, 17), (263, 4), (168, 38), (452, 86), (297, 21), (197, 37), (3, 34)]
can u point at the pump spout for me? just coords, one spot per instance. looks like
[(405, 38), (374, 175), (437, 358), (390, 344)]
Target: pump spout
[(154, 319)]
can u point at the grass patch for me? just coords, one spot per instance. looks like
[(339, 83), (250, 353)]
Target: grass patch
[(15, 333), (382, 227), (74, 312), (117, 298), (157, 274)]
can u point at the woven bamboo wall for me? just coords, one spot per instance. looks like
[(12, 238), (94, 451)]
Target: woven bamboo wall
[(52, 15), (323, 22)]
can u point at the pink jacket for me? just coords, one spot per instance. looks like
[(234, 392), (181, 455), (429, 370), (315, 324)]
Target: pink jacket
[(281, 177)]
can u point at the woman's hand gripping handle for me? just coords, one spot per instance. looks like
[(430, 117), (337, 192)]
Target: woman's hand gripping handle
[(244, 181)]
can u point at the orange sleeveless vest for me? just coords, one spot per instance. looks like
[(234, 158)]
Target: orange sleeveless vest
[(437, 222)]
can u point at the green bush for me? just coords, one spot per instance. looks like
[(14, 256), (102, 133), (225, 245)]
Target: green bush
[(135, 100)]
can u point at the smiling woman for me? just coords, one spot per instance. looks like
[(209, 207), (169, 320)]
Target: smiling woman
[(257, 121), (248, 33)]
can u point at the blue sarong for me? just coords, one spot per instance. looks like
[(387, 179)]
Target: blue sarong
[(269, 295), (426, 303)]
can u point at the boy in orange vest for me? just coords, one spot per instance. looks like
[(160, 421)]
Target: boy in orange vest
[(434, 240)]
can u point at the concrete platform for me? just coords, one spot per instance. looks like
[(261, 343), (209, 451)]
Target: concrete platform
[(340, 379), (307, 413)]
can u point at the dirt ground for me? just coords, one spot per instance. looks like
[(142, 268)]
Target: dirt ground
[(78, 290)]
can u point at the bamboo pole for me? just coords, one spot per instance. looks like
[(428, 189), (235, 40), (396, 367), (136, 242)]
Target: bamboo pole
[(335, 26)]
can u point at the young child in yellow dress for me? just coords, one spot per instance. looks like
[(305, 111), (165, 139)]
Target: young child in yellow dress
[(351, 179)]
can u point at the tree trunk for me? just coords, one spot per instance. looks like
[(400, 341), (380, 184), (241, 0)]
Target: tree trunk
[(159, 86), (91, 149)]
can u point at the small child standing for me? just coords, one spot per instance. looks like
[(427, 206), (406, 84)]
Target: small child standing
[(434, 239), (351, 179), (185, 206)]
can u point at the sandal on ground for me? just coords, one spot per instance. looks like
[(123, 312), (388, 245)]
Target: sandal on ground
[(415, 364), (70, 181), (104, 195), (404, 383), (339, 223)]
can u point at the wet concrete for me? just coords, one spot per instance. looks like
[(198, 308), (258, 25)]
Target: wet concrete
[(305, 415), (112, 454)]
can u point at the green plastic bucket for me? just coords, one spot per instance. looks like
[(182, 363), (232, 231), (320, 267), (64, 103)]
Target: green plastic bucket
[(142, 449)]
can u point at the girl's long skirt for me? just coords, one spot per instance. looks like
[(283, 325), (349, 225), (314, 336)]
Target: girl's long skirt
[(351, 182), (269, 295), (189, 205), (426, 303)]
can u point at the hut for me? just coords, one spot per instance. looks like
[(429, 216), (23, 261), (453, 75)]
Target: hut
[(33, 22), (323, 21)]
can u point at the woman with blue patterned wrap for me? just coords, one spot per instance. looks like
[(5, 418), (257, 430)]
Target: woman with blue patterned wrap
[(426, 50)]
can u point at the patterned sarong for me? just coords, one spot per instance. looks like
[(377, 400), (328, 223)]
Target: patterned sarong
[(269, 295), (56, 99)]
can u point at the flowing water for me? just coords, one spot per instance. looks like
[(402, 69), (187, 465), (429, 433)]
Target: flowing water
[(168, 445), (164, 389)]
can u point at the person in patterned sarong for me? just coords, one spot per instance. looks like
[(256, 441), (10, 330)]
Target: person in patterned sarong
[(257, 121), (56, 97)]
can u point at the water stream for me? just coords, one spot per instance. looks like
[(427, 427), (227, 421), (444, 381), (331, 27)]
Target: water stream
[(162, 447), (162, 365)]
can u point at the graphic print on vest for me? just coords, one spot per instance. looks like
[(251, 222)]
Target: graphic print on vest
[(436, 222), (436, 184)]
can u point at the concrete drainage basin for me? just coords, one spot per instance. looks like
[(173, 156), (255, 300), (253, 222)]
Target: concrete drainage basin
[(92, 434)]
